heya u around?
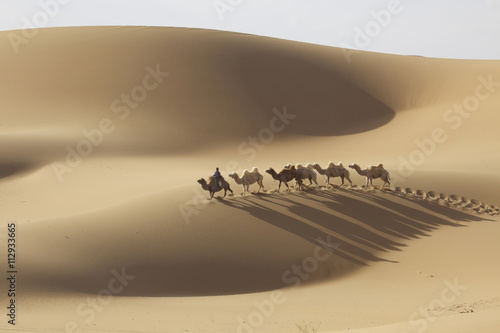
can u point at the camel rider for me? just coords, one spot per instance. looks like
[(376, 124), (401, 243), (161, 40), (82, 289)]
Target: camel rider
[(217, 178)]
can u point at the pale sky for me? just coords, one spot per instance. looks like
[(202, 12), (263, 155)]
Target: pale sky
[(434, 28)]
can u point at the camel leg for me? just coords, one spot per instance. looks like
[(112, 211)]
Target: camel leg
[(225, 191), (248, 187), (349, 179), (342, 177), (300, 184), (229, 189), (279, 186)]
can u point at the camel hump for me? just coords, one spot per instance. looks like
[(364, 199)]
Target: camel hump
[(331, 164), (380, 166), (246, 172), (340, 164), (255, 170)]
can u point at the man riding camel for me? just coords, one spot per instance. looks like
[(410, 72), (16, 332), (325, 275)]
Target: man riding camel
[(217, 178)]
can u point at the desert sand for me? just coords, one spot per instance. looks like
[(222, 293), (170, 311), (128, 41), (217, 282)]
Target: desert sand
[(106, 130)]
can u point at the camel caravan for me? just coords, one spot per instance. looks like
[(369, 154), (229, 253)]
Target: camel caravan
[(298, 173)]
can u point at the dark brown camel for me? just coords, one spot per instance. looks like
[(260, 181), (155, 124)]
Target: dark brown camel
[(212, 188), (285, 175)]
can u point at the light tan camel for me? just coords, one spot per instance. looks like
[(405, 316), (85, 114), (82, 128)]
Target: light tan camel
[(212, 187), (333, 171), (373, 172), (306, 172), (285, 175), (248, 178)]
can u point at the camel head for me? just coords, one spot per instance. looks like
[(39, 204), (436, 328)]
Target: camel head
[(202, 181), (318, 168), (288, 166), (271, 171), (233, 175), (353, 166)]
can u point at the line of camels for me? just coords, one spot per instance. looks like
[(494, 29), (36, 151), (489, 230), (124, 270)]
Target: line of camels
[(298, 173)]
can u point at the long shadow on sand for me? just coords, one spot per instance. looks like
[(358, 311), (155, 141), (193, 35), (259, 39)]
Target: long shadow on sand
[(357, 228), (362, 224)]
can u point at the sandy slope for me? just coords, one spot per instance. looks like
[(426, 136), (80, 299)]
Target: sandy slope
[(155, 109)]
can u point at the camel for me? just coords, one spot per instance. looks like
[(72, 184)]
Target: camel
[(333, 171), (211, 187), (285, 175), (248, 178), (306, 172), (373, 172)]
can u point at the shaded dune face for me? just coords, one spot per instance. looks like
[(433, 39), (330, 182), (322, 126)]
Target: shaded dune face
[(220, 83), (11, 169), (325, 104)]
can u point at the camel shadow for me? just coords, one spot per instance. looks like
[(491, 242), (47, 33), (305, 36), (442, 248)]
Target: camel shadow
[(356, 228), (364, 224)]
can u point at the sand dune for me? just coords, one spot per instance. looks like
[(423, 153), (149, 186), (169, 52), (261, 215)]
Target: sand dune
[(107, 129)]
